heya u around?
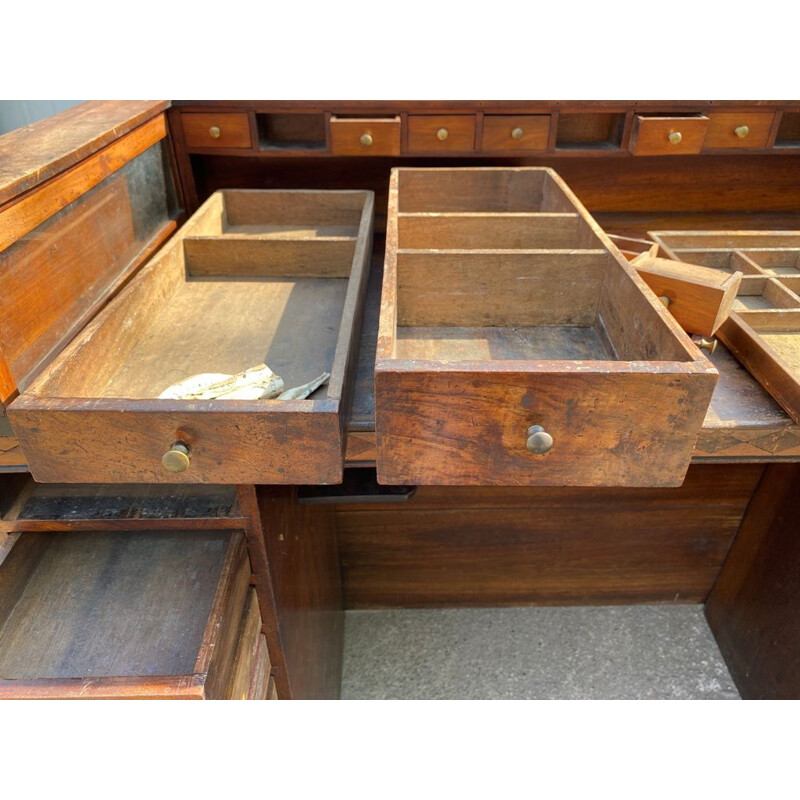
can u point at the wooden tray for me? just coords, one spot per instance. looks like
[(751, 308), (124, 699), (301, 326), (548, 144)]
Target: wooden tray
[(156, 614), (255, 276), (763, 330), (506, 307)]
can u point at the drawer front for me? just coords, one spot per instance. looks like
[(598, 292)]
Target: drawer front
[(365, 137), (740, 131), (471, 428), (522, 132), (441, 134), (668, 136), (91, 446), (202, 131)]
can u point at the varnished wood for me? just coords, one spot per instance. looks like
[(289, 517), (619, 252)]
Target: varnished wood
[(36, 153), (422, 134), (234, 130), (303, 557), (722, 127), (346, 137), (753, 607), (487, 546), (497, 132), (651, 135)]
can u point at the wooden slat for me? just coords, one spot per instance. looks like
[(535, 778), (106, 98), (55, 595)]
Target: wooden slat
[(34, 154), (22, 216), (246, 650)]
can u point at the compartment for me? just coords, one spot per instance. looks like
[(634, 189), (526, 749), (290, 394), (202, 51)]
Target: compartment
[(763, 294), (255, 277), (740, 130), (291, 132), (776, 262), (365, 137), (440, 134), (210, 131), (655, 135), (589, 131), (103, 614), (727, 261), (788, 130), (503, 132), (477, 346)]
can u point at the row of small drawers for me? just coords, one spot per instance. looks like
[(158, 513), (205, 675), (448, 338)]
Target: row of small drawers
[(430, 134)]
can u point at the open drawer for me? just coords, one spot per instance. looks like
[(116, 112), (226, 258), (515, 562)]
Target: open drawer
[(517, 347), (145, 615), (254, 277)]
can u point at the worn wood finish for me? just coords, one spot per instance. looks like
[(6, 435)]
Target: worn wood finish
[(758, 293), (97, 608), (490, 546), (36, 153), (259, 679), (651, 135), (423, 130), (304, 567), (365, 137), (498, 132), (233, 130), (753, 607), (458, 412), (722, 127), (246, 650), (167, 325), (699, 298)]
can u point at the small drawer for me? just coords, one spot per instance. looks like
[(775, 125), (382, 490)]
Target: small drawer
[(522, 132), (441, 134), (365, 137), (668, 136), (134, 615), (748, 131), (203, 131)]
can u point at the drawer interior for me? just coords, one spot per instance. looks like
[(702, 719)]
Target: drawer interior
[(589, 131), (253, 279), (291, 131), (758, 293), (98, 604)]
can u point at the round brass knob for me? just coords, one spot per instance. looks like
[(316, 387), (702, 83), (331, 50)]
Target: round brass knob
[(706, 344), (675, 137), (441, 134), (517, 133), (176, 459), (664, 300), (214, 132), (366, 140), (539, 440), (742, 131)]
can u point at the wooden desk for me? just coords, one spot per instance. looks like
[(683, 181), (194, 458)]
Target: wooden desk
[(727, 538)]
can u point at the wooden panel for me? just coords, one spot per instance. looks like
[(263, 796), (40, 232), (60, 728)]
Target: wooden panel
[(234, 130), (510, 133), (484, 546), (34, 154), (260, 677), (22, 216), (365, 137), (246, 650), (304, 566), (423, 134), (753, 607), (723, 125), (651, 135)]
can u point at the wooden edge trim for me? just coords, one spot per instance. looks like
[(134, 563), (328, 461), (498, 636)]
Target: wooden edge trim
[(170, 687), (38, 205)]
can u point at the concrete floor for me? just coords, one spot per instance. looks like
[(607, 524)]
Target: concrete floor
[(619, 652)]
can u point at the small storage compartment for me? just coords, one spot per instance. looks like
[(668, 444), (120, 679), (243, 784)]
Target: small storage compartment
[(365, 137), (273, 278), (441, 134), (523, 356), (210, 131), (589, 131), (503, 132), (738, 130), (668, 136), (291, 132), (139, 615), (788, 130)]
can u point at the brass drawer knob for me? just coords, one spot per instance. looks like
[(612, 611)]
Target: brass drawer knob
[(214, 132), (706, 344), (441, 134), (366, 140), (517, 133), (675, 137), (539, 440), (176, 459), (742, 131)]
